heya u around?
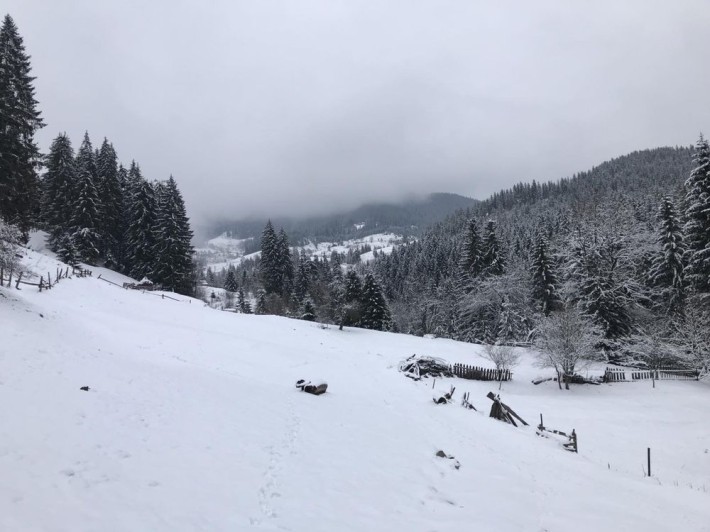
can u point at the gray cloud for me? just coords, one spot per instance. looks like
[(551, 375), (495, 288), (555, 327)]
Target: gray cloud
[(282, 108)]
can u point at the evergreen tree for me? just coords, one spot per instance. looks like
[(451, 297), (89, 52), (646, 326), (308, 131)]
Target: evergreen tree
[(64, 247), (667, 267), (85, 220), (285, 264), (19, 120), (697, 226), (230, 282), (269, 264), (140, 231), (543, 277), (353, 287), (309, 311), (242, 303), (120, 251), (472, 255), (303, 280), (261, 302), (604, 295), (110, 191), (493, 260), (172, 249), (375, 313), (59, 191)]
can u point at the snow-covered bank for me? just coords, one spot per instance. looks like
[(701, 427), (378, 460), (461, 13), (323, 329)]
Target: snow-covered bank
[(192, 422)]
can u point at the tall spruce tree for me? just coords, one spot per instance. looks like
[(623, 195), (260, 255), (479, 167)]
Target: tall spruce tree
[(545, 282), (493, 260), (230, 282), (285, 264), (59, 191), (172, 265), (472, 254), (19, 120), (269, 263), (87, 208), (375, 313), (667, 269), (111, 199), (140, 230), (697, 226)]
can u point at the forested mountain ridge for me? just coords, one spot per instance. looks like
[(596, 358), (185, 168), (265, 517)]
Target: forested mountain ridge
[(407, 218), (473, 276)]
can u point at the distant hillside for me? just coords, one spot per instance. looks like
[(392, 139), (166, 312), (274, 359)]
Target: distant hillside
[(601, 229), (407, 219)]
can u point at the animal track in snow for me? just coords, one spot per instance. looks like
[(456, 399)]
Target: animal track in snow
[(268, 491)]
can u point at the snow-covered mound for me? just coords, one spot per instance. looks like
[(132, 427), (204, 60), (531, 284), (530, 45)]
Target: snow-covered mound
[(192, 421)]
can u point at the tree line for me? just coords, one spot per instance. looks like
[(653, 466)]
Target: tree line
[(95, 210), (620, 254)]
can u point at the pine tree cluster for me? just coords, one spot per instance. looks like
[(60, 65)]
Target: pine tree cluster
[(96, 211)]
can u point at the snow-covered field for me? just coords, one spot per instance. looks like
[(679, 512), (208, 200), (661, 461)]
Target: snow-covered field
[(192, 422)]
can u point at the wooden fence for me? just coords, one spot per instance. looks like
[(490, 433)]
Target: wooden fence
[(480, 374), (131, 286), (44, 283), (624, 375)]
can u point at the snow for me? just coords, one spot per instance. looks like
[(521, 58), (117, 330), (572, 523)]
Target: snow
[(192, 422), (223, 251)]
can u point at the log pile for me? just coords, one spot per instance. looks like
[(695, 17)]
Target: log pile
[(417, 367)]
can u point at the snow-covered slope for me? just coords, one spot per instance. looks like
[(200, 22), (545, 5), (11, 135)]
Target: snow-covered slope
[(192, 422)]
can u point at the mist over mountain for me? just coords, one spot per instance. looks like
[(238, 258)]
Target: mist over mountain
[(409, 218)]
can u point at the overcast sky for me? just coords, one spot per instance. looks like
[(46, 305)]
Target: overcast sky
[(290, 107)]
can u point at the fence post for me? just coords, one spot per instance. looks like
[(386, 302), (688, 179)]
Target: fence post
[(9, 279), (648, 455), (2, 274), (17, 284), (40, 282)]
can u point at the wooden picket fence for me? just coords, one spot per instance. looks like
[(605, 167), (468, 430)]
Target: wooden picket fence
[(621, 374), (480, 374)]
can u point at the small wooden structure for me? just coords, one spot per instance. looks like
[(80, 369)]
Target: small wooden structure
[(503, 412)]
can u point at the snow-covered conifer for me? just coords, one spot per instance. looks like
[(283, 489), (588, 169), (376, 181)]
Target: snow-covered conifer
[(544, 279), (375, 313), (59, 190), (492, 258), (697, 226), (667, 268), (172, 241), (19, 120)]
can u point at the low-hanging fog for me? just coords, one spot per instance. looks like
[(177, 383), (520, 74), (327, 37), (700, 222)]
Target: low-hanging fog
[(287, 108)]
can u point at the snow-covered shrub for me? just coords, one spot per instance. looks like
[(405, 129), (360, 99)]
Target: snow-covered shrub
[(566, 340)]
